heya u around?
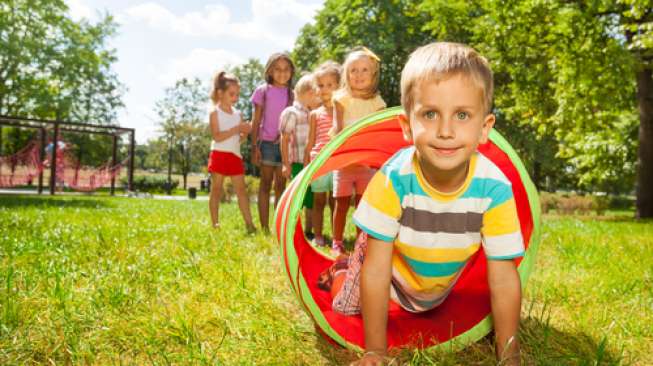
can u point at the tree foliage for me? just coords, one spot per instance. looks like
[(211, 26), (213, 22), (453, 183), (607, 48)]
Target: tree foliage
[(181, 113), (567, 74), (53, 67)]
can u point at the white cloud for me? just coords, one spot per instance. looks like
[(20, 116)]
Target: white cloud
[(78, 10), (201, 62), (274, 20)]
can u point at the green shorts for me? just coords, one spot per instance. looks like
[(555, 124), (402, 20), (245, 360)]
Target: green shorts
[(323, 184), (295, 168)]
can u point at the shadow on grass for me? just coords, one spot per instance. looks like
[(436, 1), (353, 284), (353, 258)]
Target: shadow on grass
[(17, 201), (541, 344)]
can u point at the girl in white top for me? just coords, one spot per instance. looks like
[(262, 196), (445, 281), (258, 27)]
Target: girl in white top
[(357, 98), (228, 130)]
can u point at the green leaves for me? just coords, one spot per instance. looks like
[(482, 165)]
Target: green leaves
[(54, 67)]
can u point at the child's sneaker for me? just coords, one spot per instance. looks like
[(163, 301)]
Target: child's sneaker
[(337, 248), (318, 241), (309, 235)]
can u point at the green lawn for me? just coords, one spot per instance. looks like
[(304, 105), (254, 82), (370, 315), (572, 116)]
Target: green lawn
[(101, 280)]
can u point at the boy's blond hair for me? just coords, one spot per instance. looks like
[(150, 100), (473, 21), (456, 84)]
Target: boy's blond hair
[(437, 61), (304, 84)]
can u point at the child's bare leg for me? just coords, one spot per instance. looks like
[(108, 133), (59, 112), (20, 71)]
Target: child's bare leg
[(340, 217), (243, 200), (319, 201), (308, 220), (267, 173), (279, 185), (214, 197)]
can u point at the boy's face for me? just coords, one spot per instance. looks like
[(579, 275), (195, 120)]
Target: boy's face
[(447, 122), (309, 99)]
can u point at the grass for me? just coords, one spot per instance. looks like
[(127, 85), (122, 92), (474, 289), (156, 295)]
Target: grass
[(99, 280)]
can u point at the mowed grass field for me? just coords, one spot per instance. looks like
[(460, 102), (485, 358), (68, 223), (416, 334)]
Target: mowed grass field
[(101, 280)]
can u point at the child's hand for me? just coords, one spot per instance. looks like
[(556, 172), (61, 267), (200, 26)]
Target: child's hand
[(370, 359), (285, 170), (244, 127), (307, 159)]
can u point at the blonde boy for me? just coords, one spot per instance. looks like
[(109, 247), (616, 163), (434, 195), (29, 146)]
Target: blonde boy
[(434, 204)]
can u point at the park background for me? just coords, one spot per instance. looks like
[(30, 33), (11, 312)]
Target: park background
[(109, 280)]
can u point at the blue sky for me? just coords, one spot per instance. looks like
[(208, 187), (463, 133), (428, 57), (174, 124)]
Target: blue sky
[(159, 42)]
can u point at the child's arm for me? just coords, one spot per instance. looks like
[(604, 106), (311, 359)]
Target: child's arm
[(311, 138), (505, 296), (285, 164), (340, 115), (245, 128), (256, 122), (375, 294), (215, 129)]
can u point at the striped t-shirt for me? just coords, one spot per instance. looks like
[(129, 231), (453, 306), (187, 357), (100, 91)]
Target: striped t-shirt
[(434, 234), (323, 122)]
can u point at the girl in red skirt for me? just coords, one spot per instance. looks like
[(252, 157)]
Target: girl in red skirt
[(228, 130)]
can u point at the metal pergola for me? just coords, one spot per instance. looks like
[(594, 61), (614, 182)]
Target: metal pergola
[(43, 125)]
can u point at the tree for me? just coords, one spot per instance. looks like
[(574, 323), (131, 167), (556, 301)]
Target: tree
[(181, 112), (54, 67), (576, 71), (392, 29)]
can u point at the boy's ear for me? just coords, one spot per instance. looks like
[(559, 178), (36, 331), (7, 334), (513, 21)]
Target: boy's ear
[(405, 127), (488, 123)]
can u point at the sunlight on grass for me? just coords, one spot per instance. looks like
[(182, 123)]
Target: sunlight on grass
[(114, 280)]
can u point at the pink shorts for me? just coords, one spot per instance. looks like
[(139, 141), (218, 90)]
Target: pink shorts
[(350, 180)]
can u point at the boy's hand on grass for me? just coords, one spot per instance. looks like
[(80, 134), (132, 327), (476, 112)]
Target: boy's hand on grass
[(372, 359)]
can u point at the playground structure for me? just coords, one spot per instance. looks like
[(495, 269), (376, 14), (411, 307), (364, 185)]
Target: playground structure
[(32, 160)]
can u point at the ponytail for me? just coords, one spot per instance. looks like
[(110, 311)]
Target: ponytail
[(221, 82)]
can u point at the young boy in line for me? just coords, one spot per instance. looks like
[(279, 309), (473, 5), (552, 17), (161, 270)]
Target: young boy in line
[(433, 205)]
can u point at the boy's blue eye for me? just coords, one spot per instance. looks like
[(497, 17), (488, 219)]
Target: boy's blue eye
[(430, 114), (462, 115)]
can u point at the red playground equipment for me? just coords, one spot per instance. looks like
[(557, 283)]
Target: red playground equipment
[(30, 162)]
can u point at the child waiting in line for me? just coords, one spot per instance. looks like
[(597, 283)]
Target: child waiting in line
[(357, 98), (294, 128), (227, 130), (269, 100), (327, 79), (432, 206)]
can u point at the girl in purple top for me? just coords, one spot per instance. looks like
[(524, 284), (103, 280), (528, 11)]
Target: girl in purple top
[(269, 100)]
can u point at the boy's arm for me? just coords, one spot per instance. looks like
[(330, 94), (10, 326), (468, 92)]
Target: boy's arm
[(311, 138), (285, 164), (375, 294), (505, 297)]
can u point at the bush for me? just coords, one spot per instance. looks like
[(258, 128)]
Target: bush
[(150, 183), (570, 204), (228, 191)]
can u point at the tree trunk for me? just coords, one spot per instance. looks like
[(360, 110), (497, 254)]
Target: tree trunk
[(645, 166), (169, 187)]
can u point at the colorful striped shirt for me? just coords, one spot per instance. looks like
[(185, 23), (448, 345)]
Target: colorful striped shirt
[(322, 126), (434, 234)]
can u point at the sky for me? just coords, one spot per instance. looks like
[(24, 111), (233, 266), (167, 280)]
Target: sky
[(160, 42)]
